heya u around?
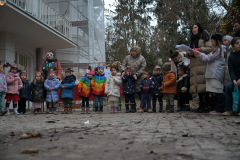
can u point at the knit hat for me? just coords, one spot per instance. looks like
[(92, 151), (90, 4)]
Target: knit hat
[(227, 37), (100, 67), (217, 37), (167, 66), (91, 73)]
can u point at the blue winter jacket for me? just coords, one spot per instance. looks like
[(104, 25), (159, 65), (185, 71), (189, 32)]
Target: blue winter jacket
[(157, 82), (68, 92), (146, 82), (52, 95), (128, 84)]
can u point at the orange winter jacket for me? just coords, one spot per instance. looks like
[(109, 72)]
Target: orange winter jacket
[(169, 82)]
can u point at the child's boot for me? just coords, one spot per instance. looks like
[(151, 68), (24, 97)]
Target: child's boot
[(133, 108), (115, 109), (54, 110), (160, 107), (15, 111), (140, 110), (7, 109), (101, 109), (150, 110), (112, 110), (87, 110), (65, 110), (171, 109), (83, 110), (154, 107), (70, 110), (127, 108), (96, 108)]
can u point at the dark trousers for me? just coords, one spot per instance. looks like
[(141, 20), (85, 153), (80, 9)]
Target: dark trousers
[(203, 100), (129, 97), (155, 98), (67, 102), (220, 102), (144, 98), (85, 100), (22, 105), (183, 98)]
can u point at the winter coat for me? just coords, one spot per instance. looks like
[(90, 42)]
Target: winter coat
[(25, 92), (13, 86), (138, 63), (98, 83), (183, 83), (84, 86), (197, 69), (227, 78), (68, 92), (52, 95), (234, 65), (157, 82), (37, 90), (3, 83), (146, 86), (57, 67), (128, 84), (169, 82), (215, 64), (112, 87)]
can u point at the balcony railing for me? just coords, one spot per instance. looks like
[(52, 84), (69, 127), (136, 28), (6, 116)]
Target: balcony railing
[(46, 14)]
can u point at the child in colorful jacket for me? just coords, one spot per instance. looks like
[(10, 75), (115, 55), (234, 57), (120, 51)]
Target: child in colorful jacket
[(169, 86), (52, 84), (98, 87), (68, 84), (14, 84), (157, 80), (146, 86), (3, 88), (24, 93), (84, 89)]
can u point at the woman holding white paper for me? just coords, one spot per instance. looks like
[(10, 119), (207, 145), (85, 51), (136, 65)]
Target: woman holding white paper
[(200, 40)]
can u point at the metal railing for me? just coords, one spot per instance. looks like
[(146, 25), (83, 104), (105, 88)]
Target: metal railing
[(40, 10)]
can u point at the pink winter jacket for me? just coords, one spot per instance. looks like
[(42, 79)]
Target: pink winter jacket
[(13, 85)]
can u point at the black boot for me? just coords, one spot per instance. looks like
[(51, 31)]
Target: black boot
[(127, 108), (133, 108), (96, 108), (160, 106), (154, 107), (101, 109)]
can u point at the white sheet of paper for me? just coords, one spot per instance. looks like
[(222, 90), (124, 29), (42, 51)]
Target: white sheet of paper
[(183, 47)]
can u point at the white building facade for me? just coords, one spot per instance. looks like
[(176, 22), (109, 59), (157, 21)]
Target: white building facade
[(73, 28)]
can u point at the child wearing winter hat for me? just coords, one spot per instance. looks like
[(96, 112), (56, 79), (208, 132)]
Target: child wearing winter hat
[(24, 93), (14, 84), (146, 86), (128, 80), (52, 84), (214, 71), (157, 80), (98, 87), (169, 86), (67, 84), (84, 89)]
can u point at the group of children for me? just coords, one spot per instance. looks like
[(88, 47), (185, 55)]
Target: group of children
[(161, 85)]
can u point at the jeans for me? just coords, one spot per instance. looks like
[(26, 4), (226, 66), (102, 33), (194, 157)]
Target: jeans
[(144, 98), (98, 98), (1, 98), (229, 88)]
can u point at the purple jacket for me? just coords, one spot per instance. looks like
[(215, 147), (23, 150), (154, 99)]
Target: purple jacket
[(215, 64), (3, 83), (52, 95)]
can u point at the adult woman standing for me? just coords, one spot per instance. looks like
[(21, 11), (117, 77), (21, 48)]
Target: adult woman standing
[(200, 40)]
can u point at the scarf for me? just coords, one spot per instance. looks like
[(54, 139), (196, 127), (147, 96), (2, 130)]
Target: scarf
[(48, 64), (194, 40)]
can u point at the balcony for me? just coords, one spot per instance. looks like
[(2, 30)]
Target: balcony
[(37, 22)]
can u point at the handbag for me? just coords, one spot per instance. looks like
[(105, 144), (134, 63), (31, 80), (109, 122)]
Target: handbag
[(235, 96)]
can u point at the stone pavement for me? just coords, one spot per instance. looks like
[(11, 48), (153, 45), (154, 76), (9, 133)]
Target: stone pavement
[(169, 136)]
